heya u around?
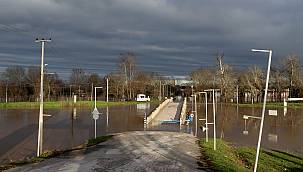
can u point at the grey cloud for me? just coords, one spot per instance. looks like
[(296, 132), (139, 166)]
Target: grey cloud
[(168, 36)]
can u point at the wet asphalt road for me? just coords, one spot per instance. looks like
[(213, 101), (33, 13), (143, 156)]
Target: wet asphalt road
[(150, 151)]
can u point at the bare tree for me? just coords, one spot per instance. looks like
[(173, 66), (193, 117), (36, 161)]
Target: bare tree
[(227, 81), (15, 77), (78, 78), (203, 78), (278, 82), (33, 78), (291, 66), (127, 68), (116, 85), (255, 82)]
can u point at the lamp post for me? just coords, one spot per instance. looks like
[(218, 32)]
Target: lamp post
[(264, 104), (196, 114), (107, 90), (192, 100), (40, 130)]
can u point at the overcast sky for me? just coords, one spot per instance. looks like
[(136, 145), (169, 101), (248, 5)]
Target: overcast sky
[(172, 37)]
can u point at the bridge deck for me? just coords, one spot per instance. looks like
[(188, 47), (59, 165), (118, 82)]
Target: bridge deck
[(169, 113)]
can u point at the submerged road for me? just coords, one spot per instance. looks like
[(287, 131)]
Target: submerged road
[(150, 151)]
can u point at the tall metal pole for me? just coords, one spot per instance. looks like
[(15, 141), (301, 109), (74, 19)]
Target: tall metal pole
[(206, 132), (214, 115), (192, 99), (196, 115), (95, 97), (264, 105), (106, 89), (40, 130)]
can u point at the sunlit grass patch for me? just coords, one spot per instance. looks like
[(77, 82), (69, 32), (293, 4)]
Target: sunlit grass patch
[(231, 158)]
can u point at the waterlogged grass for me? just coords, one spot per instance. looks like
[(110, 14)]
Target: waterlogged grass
[(54, 153), (272, 105), (230, 158), (95, 141), (61, 104)]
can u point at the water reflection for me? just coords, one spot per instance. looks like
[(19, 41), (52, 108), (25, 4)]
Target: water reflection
[(282, 132), (66, 128)]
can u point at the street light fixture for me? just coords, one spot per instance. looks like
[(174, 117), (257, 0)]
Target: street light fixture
[(264, 104)]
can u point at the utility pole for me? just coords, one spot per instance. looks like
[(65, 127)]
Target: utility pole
[(40, 131), (196, 115), (192, 100), (106, 89), (214, 116)]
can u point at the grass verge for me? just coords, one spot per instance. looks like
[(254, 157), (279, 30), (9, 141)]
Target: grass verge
[(54, 153), (231, 158), (61, 104)]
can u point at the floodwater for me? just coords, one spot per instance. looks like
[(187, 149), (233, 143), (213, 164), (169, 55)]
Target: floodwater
[(65, 128), (281, 132)]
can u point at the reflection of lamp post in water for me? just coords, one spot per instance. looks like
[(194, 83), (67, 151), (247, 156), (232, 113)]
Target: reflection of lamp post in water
[(214, 114), (95, 112), (206, 122), (246, 117), (107, 119)]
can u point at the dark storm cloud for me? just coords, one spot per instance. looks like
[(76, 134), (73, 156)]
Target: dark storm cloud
[(169, 36)]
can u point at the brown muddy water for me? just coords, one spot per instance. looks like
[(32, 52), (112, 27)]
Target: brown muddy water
[(65, 128), (281, 132)]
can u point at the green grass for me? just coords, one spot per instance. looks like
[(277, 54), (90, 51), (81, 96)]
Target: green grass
[(61, 104), (95, 141), (231, 158), (272, 105), (54, 153)]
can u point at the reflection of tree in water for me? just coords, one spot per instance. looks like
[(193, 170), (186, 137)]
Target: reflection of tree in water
[(226, 117), (294, 120)]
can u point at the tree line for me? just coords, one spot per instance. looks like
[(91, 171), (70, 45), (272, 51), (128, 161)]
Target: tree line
[(23, 84), (285, 80)]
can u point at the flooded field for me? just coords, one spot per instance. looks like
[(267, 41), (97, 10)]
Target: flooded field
[(281, 132), (65, 128)]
